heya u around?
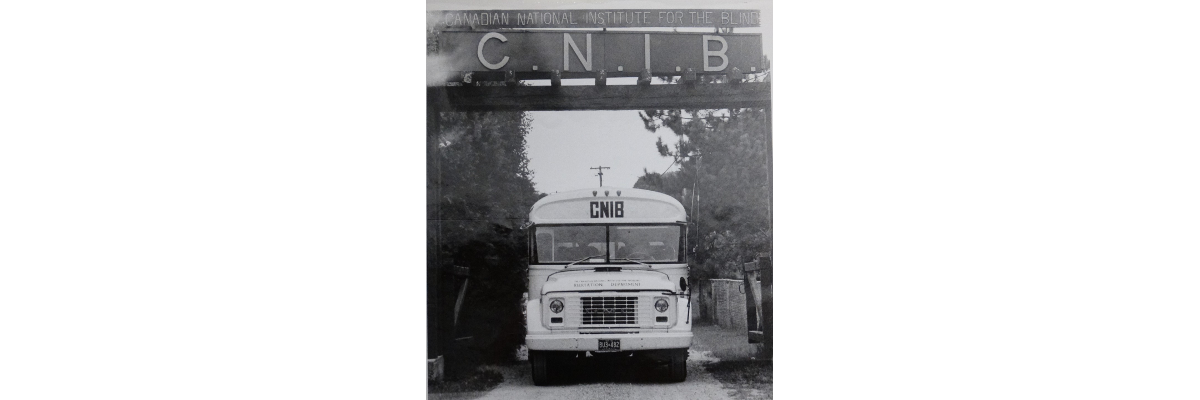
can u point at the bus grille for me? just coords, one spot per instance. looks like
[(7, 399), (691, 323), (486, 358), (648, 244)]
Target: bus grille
[(609, 310)]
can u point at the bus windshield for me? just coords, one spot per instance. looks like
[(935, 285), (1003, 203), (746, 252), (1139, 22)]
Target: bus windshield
[(562, 244)]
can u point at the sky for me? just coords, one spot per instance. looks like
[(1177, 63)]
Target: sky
[(563, 145)]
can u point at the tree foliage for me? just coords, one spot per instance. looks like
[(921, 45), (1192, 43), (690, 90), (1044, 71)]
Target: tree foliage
[(723, 180), (478, 193), (479, 190)]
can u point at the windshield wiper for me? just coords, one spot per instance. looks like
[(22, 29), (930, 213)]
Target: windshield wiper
[(634, 260), (582, 260)]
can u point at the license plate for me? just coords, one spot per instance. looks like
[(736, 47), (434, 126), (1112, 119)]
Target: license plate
[(610, 344)]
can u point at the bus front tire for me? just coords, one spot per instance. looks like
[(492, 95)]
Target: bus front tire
[(541, 367), (677, 366)]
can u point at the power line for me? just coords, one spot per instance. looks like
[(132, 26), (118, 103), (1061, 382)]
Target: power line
[(669, 166)]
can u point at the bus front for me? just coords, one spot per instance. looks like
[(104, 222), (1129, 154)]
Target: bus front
[(608, 278)]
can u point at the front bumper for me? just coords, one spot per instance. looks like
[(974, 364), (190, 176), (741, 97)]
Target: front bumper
[(590, 342)]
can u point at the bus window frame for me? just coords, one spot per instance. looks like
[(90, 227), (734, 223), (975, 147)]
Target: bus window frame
[(681, 250)]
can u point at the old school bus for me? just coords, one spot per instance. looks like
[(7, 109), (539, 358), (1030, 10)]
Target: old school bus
[(608, 277)]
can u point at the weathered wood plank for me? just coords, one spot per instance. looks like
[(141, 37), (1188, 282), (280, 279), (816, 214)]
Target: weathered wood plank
[(624, 97), (766, 264), (754, 315), (755, 336), (750, 266)]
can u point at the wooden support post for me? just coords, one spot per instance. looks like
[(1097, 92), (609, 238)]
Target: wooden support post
[(602, 78), (754, 313), (556, 78), (435, 104), (768, 278), (770, 172), (767, 269)]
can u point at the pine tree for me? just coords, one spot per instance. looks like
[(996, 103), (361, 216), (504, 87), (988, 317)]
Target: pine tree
[(722, 157)]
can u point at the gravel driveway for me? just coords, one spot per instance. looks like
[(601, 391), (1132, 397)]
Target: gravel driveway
[(598, 380)]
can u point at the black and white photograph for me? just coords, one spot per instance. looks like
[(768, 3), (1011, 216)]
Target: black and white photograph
[(623, 199), (599, 201)]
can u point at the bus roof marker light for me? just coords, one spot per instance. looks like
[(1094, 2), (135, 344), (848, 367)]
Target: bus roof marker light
[(605, 193), (593, 193), (618, 193)]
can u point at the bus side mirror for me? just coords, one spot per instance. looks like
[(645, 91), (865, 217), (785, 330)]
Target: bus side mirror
[(683, 284)]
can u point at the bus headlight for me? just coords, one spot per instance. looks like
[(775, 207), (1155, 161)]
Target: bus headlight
[(556, 306), (661, 305)]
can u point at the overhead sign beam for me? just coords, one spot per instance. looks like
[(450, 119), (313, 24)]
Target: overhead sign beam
[(583, 54), (631, 97), (600, 18)]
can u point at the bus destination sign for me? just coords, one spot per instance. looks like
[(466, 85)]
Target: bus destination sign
[(599, 18)]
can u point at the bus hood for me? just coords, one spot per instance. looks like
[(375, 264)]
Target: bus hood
[(625, 279)]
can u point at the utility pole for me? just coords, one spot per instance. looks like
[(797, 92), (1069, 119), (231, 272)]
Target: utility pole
[(600, 173)]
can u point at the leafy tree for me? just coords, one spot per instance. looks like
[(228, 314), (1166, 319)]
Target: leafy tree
[(478, 192), (722, 179)]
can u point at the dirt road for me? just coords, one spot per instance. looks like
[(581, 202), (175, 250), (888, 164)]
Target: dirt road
[(601, 381)]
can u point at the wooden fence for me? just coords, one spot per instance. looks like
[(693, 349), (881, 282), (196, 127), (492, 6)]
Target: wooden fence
[(738, 304), (722, 302)]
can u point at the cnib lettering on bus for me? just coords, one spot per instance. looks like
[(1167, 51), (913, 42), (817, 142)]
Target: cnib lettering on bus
[(607, 209)]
